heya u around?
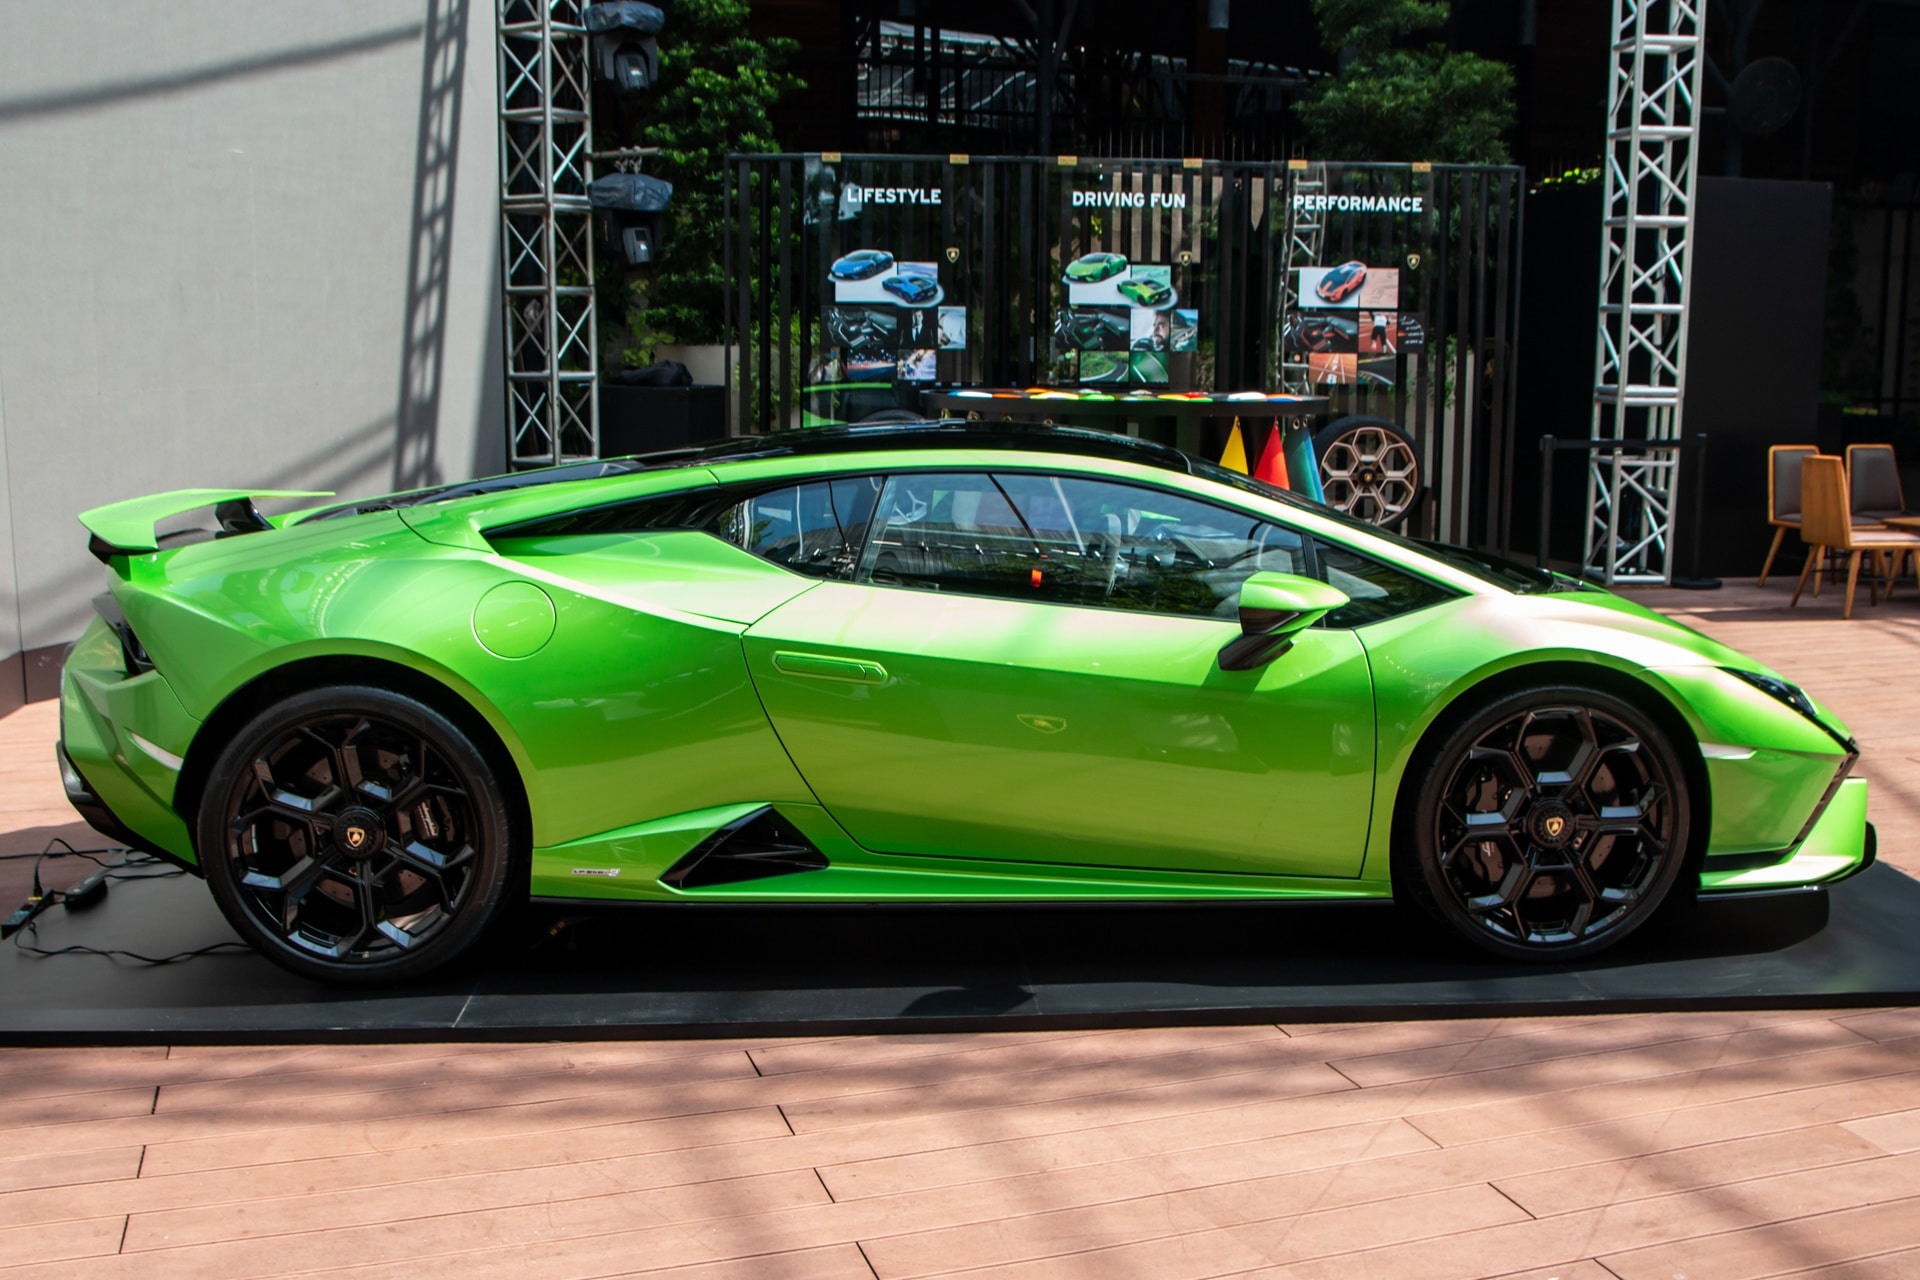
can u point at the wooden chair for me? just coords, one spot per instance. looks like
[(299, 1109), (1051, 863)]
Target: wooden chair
[(1783, 496), (1826, 525), (1873, 480)]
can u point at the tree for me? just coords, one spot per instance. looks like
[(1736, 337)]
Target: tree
[(1395, 103), (717, 84)]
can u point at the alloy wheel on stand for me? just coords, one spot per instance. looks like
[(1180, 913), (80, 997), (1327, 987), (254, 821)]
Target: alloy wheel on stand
[(1370, 468)]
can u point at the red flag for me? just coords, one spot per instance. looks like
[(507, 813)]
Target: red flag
[(1273, 463)]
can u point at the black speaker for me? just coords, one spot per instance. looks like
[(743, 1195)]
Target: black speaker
[(649, 419)]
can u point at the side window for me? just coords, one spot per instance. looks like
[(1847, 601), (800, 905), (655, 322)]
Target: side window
[(815, 528), (1151, 551), (1376, 590), (1070, 540), (957, 531)]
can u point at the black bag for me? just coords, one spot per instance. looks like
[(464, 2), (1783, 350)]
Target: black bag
[(661, 373)]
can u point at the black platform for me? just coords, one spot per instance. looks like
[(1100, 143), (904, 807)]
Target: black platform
[(723, 971)]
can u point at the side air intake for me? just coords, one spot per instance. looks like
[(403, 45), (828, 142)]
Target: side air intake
[(755, 847)]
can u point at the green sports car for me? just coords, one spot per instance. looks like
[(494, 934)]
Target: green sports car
[(1092, 268), (932, 662), (1147, 293)]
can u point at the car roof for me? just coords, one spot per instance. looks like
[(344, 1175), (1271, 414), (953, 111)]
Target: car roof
[(927, 433), (941, 433)]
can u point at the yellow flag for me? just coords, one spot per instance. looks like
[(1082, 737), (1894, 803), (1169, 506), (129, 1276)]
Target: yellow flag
[(1235, 457)]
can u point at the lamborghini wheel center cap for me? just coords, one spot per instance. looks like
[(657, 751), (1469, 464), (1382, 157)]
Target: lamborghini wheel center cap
[(1551, 824), (358, 832)]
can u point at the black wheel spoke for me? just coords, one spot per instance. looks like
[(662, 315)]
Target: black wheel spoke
[(294, 882), (409, 791), (364, 900), (304, 819), (1503, 893), (431, 862)]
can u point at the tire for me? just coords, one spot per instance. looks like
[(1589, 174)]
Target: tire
[(382, 880), (1548, 825), (1369, 468)]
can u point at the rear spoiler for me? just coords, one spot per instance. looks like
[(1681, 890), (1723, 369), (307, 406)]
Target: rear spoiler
[(128, 528)]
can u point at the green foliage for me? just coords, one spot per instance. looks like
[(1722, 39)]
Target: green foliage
[(1568, 179), (1391, 103), (717, 85), (1369, 27)]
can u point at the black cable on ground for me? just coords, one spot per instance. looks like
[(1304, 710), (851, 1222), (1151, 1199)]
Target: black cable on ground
[(125, 865)]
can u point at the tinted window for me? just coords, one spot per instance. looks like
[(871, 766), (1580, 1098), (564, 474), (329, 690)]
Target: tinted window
[(1376, 590), (1067, 540), (635, 515), (952, 532), (815, 528)]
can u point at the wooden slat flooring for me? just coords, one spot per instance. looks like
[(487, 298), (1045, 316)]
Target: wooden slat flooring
[(1724, 1145)]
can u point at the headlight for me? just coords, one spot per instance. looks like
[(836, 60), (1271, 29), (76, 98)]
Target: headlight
[(1774, 687), (1791, 694)]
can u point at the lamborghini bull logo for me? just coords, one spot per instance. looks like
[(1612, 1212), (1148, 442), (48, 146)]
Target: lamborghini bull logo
[(1554, 825), (356, 836)]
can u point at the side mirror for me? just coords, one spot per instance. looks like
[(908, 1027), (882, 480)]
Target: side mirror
[(1274, 607)]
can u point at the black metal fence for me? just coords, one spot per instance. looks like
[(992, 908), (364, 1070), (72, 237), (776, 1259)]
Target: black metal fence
[(995, 236)]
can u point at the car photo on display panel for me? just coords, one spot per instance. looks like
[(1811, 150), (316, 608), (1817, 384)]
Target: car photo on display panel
[(861, 264), (1340, 283), (1147, 293), (939, 662), (1092, 268), (914, 291)]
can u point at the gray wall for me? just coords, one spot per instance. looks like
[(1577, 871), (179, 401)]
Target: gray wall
[(240, 244)]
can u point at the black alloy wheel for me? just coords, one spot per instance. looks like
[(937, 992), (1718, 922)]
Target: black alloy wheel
[(1550, 825), (1369, 468), (355, 836)]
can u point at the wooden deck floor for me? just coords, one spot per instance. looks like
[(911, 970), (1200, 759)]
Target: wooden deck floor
[(1685, 1145)]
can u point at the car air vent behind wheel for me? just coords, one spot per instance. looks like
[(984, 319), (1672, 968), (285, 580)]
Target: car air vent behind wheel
[(760, 845)]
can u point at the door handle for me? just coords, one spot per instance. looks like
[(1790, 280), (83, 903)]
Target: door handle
[(819, 666)]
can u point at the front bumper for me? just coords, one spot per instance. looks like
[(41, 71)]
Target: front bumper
[(1841, 843)]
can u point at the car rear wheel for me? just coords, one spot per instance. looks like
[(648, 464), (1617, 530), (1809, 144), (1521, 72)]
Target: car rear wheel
[(355, 836), (1549, 825)]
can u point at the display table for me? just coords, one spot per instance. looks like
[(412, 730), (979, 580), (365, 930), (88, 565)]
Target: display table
[(1180, 413)]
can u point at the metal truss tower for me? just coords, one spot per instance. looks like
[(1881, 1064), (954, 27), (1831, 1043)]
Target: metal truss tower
[(1646, 257), (1306, 234), (546, 232)]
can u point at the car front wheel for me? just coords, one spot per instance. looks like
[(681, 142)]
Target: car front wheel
[(1549, 825), (355, 836)]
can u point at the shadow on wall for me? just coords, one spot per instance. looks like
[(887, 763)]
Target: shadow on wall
[(490, 421), (429, 254), (95, 96), (443, 70)]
